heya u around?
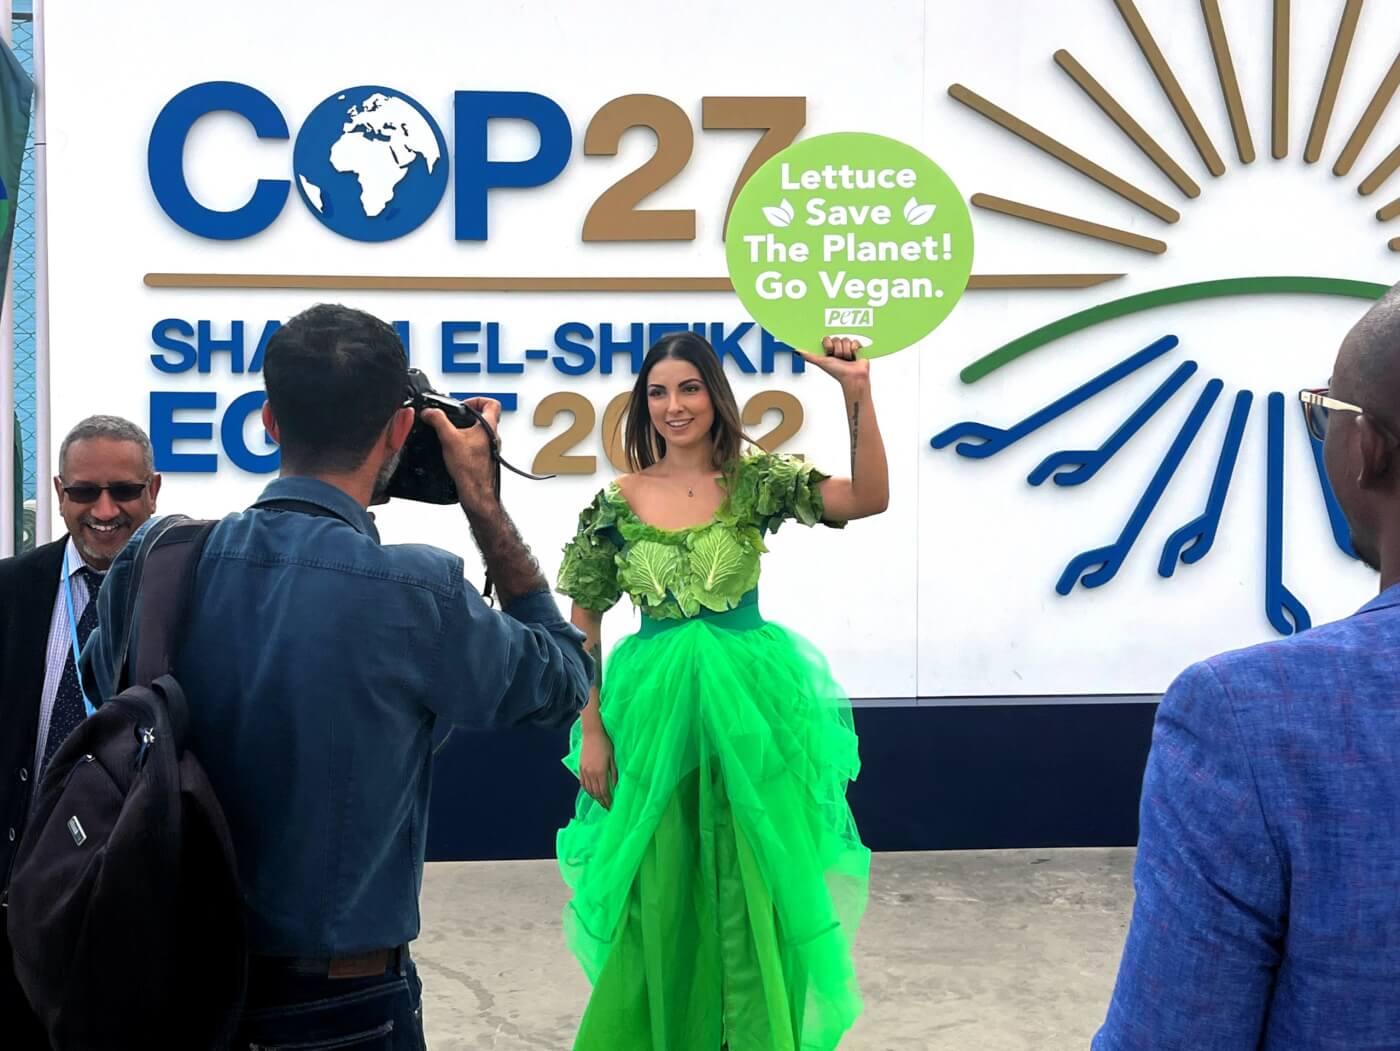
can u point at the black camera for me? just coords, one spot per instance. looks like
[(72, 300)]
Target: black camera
[(422, 475)]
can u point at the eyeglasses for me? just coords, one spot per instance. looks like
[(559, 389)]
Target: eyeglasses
[(87, 493), (1317, 406)]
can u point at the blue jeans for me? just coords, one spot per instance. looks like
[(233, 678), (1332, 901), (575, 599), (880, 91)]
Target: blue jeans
[(299, 1012)]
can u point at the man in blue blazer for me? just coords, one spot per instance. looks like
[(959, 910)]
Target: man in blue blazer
[(1268, 868)]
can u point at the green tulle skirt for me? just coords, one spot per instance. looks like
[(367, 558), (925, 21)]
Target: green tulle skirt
[(715, 903)]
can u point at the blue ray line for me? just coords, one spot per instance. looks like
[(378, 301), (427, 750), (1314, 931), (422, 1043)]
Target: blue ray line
[(1341, 532), (1193, 541), (984, 440), (1110, 559), (1085, 463), (1279, 603)]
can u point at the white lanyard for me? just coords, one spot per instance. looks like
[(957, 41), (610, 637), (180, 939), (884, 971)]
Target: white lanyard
[(73, 632)]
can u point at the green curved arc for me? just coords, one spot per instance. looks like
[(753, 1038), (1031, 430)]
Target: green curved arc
[(1162, 297)]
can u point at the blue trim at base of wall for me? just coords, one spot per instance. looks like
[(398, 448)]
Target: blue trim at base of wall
[(932, 778)]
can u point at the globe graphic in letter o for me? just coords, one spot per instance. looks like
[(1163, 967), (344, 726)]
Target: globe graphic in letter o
[(370, 163)]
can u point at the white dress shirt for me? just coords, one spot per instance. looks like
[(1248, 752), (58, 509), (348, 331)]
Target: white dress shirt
[(60, 646)]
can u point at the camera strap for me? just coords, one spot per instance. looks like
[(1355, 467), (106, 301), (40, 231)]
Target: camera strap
[(496, 456)]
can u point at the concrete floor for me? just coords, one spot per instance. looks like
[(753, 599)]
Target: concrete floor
[(959, 951)]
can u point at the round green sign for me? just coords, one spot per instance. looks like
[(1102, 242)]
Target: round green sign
[(849, 234)]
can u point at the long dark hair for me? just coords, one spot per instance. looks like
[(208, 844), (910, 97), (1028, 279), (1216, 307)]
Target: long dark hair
[(643, 445)]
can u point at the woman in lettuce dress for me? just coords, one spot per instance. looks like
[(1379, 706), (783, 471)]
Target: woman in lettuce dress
[(716, 873)]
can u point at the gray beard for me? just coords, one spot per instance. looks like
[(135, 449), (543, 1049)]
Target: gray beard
[(386, 473)]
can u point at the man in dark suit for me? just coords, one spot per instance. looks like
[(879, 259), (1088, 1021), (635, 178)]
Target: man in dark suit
[(106, 489)]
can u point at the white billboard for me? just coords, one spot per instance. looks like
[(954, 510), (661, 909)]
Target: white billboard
[(200, 192)]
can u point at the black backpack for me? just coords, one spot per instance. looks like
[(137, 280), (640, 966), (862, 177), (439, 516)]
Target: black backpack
[(125, 914)]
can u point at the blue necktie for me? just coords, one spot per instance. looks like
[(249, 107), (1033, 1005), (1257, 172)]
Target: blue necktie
[(68, 709)]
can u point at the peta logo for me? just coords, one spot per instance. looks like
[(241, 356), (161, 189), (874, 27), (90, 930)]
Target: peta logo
[(849, 317)]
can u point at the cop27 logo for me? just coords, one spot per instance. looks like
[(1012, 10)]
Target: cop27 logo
[(1178, 380), (372, 164)]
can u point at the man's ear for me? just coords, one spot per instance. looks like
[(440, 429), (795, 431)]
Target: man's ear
[(1377, 454), (270, 423), (398, 429)]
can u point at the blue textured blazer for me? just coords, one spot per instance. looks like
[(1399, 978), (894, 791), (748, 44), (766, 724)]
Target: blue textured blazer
[(1268, 868)]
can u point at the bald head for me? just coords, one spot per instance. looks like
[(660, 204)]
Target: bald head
[(1368, 365), (1362, 449)]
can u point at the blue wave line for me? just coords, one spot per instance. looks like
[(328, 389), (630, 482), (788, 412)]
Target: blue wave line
[(979, 440), (1110, 559), (1193, 541), (1341, 531), (1280, 604), (1083, 464)]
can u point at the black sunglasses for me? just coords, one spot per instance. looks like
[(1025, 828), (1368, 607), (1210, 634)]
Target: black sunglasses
[(87, 493)]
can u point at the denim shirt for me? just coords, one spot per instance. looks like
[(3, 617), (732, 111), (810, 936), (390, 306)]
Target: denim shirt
[(317, 662)]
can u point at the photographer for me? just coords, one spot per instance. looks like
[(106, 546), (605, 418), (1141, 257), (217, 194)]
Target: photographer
[(317, 661)]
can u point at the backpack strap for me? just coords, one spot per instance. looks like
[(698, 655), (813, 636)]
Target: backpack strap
[(163, 580), (120, 678)]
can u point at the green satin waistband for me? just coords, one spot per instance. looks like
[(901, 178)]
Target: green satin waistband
[(743, 617)]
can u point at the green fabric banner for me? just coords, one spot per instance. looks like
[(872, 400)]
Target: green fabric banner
[(16, 94)]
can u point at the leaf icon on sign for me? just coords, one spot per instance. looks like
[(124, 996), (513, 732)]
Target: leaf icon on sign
[(782, 215), (918, 214)]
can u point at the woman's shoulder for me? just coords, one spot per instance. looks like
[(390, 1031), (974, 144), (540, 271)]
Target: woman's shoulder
[(603, 509), (629, 483), (630, 487)]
